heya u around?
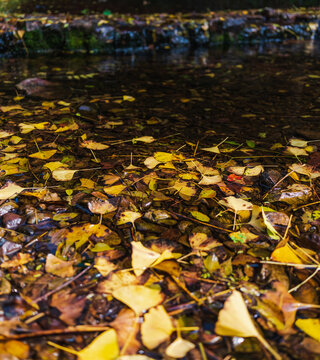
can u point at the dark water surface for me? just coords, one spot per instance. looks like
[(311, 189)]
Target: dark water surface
[(270, 89)]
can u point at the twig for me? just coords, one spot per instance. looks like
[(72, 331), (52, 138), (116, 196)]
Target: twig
[(198, 221), (301, 266), (304, 281), (43, 297), (53, 332)]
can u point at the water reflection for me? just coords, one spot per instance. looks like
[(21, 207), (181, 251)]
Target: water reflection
[(201, 57)]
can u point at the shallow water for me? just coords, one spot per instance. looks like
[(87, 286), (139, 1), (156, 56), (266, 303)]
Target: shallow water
[(267, 89)]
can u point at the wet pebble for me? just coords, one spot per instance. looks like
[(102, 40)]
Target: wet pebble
[(11, 220)]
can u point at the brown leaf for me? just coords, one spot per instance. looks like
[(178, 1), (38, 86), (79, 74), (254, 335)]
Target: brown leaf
[(69, 304), (126, 326), (59, 267)]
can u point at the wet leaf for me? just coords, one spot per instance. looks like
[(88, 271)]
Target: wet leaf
[(61, 174), (236, 204), (128, 217), (156, 328), (93, 145), (43, 155), (139, 298), (200, 216), (179, 348), (234, 320), (310, 326), (59, 267), (104, 266), (145, 139), (101, 206), (10, 190), (210, 180)]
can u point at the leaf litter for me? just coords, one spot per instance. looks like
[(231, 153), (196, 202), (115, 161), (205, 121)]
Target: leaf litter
[(132, 246)]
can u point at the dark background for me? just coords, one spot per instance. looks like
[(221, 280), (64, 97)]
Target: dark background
[(147, 6)]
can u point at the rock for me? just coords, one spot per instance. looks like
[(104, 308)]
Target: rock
[(11, 220), (42, 88)]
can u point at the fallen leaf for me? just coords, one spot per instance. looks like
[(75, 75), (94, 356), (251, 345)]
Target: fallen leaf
[(114, 190), (236, 204), (103, 347), (156, 328), (296, 151), (53, 165), (213, 149), (93, 145), (43, 155), (10, 190), (63, 174), (98, 206), (17, 260), (145, 139), (310, 326), (126, 326), (138, 297), (59, 267), (104, 266), (234, 320), (128, 217), (210, 180), (179, 348)]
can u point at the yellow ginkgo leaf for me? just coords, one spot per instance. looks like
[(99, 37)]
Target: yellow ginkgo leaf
[(236, 204), (254, 171), (90, 144), (63, 174), (103, 347), (145, 139), (210, 180), (128, 98), (59, 267), (138, 297), (234, 320), (10, 108), (213, 149), (185, 189), (151, 162), (25, 128), (286, 254), (179, 348), (200, 216), (4, 134), (98, 206), (142, 257), (296, 151), (128, 217), (53, 165), (298, 143), (156, 328), (104, 266), (163, 156), (10, 190), (114, 190), (43, 155), (310, 326)]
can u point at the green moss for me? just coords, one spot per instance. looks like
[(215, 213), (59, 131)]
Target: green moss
[(94, 44), (35, 41), (75, 40)]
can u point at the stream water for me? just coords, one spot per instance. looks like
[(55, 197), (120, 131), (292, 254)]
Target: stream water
[(269, 89)]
